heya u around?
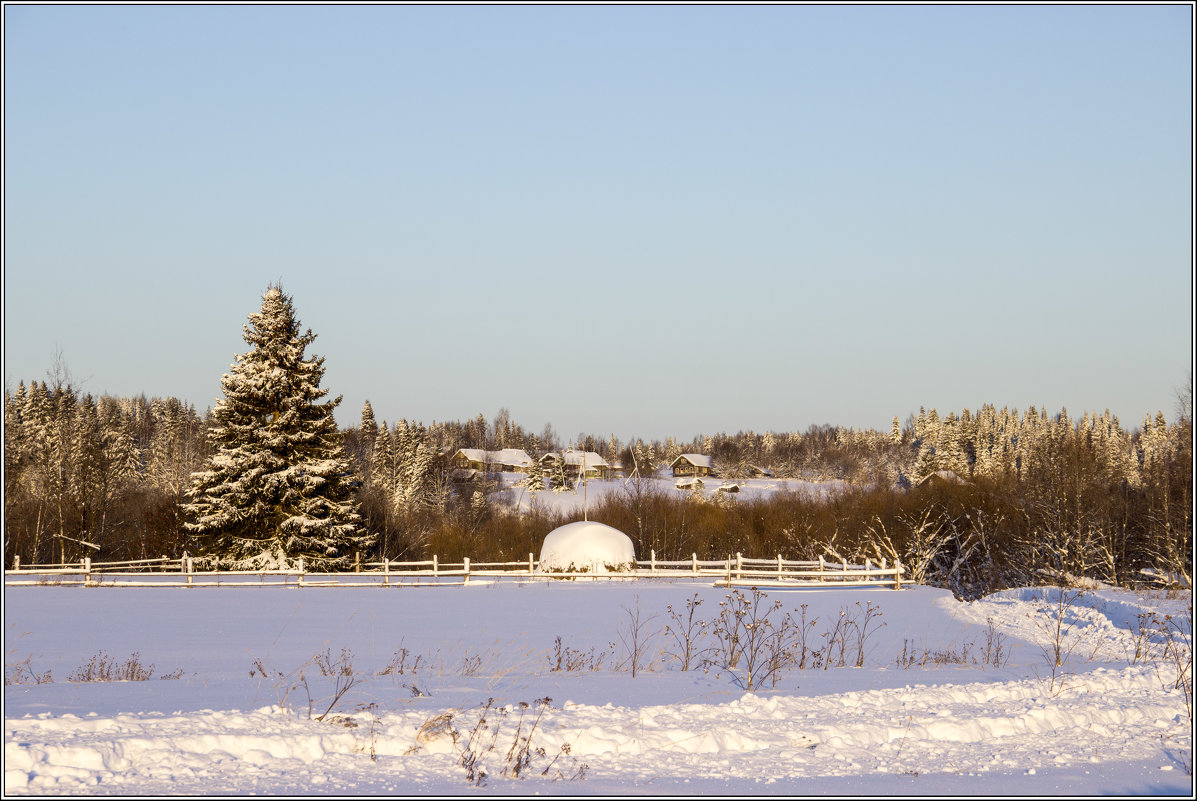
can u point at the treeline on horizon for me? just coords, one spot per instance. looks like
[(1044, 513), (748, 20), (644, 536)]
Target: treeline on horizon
[(1026, 497)]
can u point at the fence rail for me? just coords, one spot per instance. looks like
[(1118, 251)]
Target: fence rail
[(733, 571)]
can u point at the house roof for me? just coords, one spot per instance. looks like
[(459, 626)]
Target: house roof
[(507, 456), (575, 458), (696, 459), (513, 456), (944, 475)]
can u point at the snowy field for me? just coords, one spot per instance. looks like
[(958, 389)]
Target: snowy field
[(593, 490), (944, 704)]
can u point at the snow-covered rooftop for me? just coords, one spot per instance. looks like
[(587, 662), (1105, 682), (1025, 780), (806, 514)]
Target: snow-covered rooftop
[(575, 458), (514, 457), (944, 475)]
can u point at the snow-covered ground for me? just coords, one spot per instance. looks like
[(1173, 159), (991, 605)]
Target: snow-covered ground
[(237, 688), (593, 490)]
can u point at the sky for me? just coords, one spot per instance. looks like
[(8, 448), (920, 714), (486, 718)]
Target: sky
[(645, 221)]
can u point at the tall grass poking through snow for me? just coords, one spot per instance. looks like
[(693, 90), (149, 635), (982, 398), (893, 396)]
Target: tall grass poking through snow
[(479, 750), (103, 667)]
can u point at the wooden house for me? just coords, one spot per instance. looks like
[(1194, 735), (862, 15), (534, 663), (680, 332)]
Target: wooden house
[(942, 477), (692, 464), (508, 460), (595, 465)]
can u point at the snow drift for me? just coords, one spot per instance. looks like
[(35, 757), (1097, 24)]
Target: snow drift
[(233, 720), (587, 547)]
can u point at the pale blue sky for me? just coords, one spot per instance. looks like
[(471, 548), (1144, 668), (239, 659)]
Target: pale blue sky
[(647, 221)]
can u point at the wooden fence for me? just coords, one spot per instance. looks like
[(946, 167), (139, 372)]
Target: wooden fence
[(733, 571)]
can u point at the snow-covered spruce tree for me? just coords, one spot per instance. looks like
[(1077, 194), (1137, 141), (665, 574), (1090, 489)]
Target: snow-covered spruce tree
[(382, 462), (369, 426), (415, 468), (279, 484), (560, 477), (535, 477)]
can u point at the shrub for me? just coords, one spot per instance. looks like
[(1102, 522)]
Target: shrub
[(23, 673), (483, 738), (752, 639), (573, 660), (687, 633), (102, 667)]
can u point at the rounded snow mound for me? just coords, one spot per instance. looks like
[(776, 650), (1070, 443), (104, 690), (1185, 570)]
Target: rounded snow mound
[(587, 547)]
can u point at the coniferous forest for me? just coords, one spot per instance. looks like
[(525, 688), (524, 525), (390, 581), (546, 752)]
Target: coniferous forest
[(969, 500)]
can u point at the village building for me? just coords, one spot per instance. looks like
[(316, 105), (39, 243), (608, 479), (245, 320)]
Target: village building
[(507, 460), (942, 478), (692, 464), (595, 465)]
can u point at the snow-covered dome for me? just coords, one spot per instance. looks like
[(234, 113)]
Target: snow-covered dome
[(586, 546)]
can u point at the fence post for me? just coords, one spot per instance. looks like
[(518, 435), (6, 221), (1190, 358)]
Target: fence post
[(844, 568), (897, 574), (531, 566), (739, 565), (652, 563), (357, 561), (694, 562), (434, 564), (300, 579), (16, 562), (822, 568), (465, 563), (86, 570), (779, 567), (386, 572), (868, 569)]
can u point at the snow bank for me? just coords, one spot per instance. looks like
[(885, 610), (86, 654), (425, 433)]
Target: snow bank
[(952, 736), (586, 546), (1102, 726)]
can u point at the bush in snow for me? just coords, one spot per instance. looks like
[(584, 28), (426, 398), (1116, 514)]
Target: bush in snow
[(587, 547)]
